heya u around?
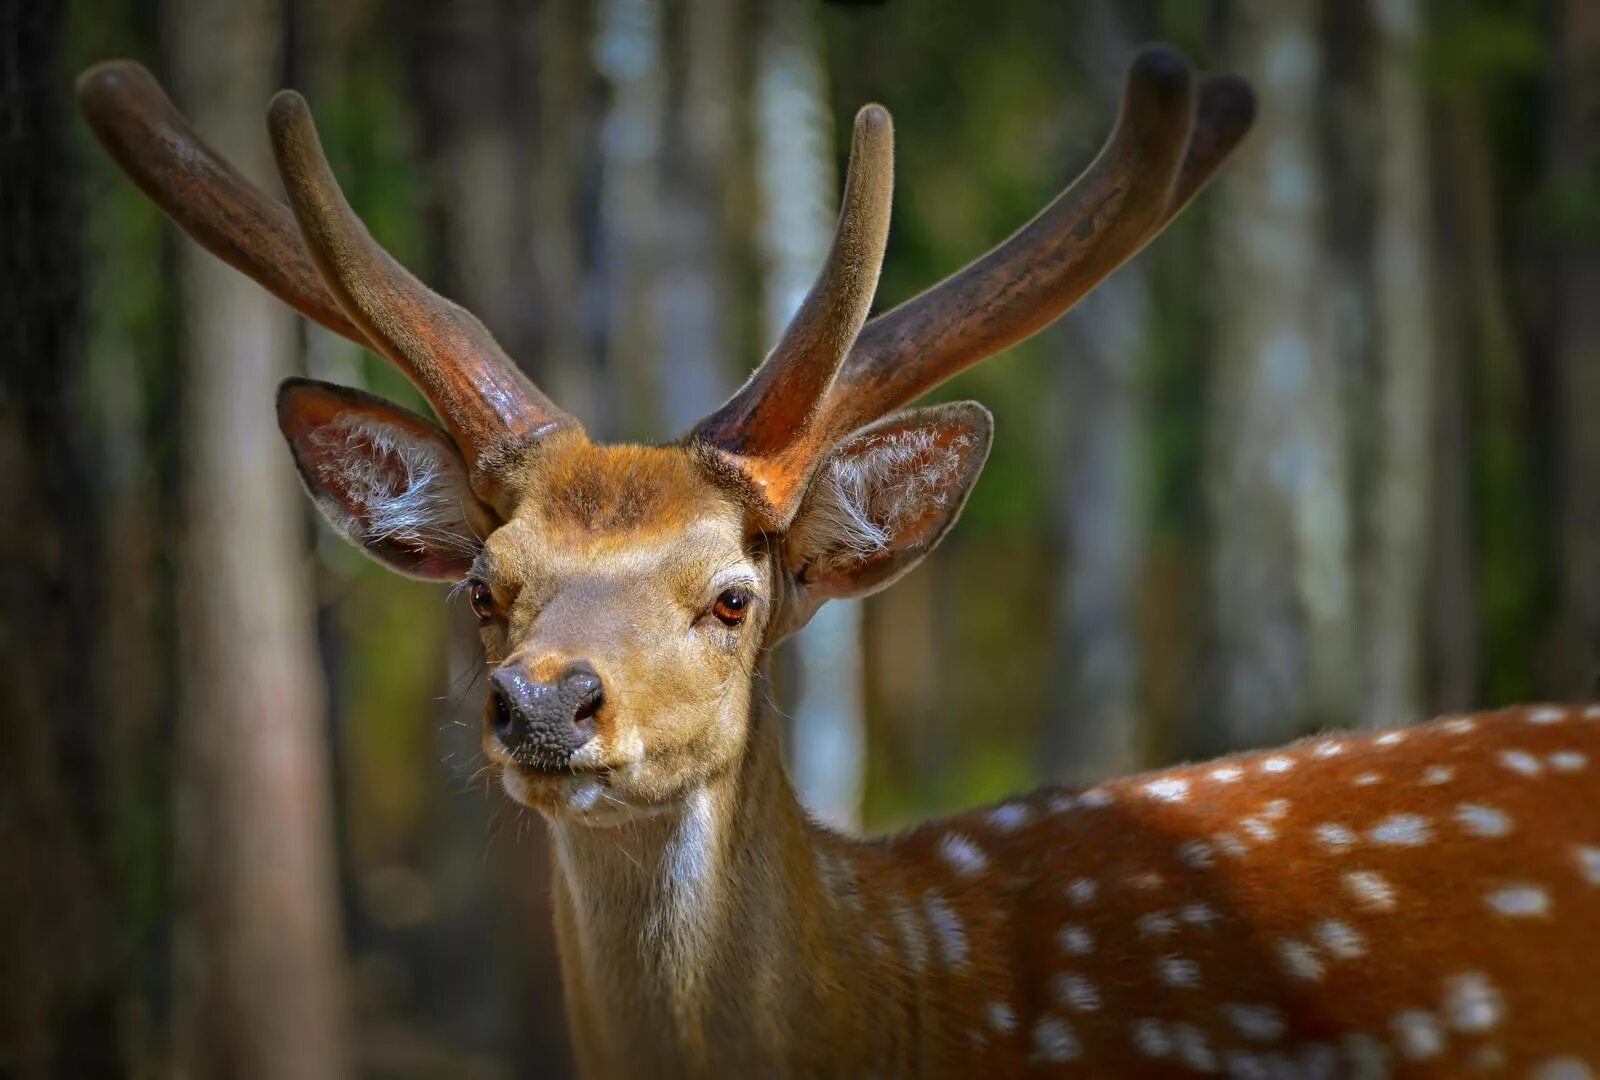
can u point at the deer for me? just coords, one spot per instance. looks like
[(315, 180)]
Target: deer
[(1416, 902)]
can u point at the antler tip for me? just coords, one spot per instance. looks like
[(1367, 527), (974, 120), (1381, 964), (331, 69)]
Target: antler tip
[(286, 110), (1161, 71), (110, 78), (873, 116), (1228, 103)]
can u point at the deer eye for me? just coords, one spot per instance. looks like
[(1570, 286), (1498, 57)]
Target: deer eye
[(481, 597), (732, 606)]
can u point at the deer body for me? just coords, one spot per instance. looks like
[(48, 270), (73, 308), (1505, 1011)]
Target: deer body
[(1423, 902), (1357, 904)]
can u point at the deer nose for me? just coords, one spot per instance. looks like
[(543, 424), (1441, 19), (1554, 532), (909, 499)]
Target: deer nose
[(544, 722)]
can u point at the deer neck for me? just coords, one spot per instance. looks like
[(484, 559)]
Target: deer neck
[(690, 929)]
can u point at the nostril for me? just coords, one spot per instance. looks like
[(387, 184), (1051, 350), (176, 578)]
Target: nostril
[(589, 703), (584, 689), (500, 714)]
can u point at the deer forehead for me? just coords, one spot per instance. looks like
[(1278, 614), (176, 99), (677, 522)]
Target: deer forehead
[(639, 513)]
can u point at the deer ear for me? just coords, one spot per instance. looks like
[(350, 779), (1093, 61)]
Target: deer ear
[(386, 479), (884, 498)]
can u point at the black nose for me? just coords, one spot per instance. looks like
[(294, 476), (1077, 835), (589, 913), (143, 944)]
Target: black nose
[(544, 722)]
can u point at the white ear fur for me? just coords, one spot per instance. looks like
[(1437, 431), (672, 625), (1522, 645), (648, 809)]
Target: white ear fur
[(398, 489), (861, 500), (883, 498), (385, 478)]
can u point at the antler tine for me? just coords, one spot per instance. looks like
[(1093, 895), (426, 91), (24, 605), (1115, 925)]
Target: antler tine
[(489, 407), (764, 426), (1164, 148), (207, 197)]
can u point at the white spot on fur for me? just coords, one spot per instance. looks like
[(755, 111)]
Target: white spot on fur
[(1075, 940), (1096, 798), (1168, 789), (1156, 924), (1053, 1042), (1472, 1004), (1418, 1034), (1258, 829), (947, 930), (1146, 881), (1193, 1048), (1061, 804), (1202, 915), (1401, 830), (1275, 810), (1592, 712), (1010, 817), (1001, 1017), (1226, 774), (1178, 972), (1082, 891), (1390, 738), (1520, 901), (1567, 761), (1479, 820), (1334, 837), (1196, 854), (1299, 960), (1258, 1023), (1546, 716), (1371, 890), (1459, 725), (913, 943), (1339, 940), (1588, 863), (1151, 1039), (1229, 844), (1435, 775), (1520, 761), (1563, 1068), (1277, 764), (1331, 748), (962, 854), (1367, 779), (1075, 992)]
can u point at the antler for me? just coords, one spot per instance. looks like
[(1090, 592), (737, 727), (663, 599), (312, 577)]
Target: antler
[(320, 259), (489, 407), (1159, 156), (207, 197), (1165, 146), (764, 427)]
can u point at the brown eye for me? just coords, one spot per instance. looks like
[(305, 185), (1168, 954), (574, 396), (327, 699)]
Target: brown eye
[(481, 598), (732, 606)]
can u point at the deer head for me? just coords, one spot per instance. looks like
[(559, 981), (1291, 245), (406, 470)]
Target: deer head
[(627, 593)]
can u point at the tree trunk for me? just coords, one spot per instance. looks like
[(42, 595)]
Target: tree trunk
[(1277, 487), (59, 891), (1573, 146), (1400, 456), (795, 177), (1100, 513), (258, 962)]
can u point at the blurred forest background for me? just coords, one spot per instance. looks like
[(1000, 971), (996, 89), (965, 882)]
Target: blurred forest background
[(1316, 458)]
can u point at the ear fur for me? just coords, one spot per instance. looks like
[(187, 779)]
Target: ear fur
[(884, 498), (386, 479)]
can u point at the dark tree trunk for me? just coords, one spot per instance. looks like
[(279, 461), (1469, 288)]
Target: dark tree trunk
[(1574, 285), (63, 973), (258, 956)]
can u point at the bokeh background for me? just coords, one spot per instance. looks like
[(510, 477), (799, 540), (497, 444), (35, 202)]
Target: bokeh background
[(1323, 455)]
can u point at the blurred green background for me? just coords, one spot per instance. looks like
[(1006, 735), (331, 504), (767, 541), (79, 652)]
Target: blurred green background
[(1316, 458)]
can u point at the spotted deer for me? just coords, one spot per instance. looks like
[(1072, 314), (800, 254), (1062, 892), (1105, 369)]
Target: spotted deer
[(1424, 901)]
